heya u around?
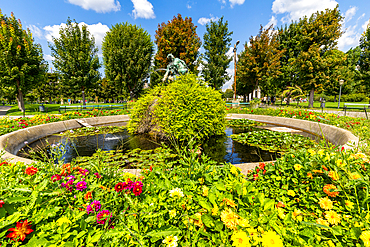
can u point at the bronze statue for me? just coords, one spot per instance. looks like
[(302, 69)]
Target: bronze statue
[(175, 67)]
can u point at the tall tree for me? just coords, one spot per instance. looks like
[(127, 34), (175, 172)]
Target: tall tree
[(216, 43), (317, 35), (179, 38), (127, 54), (260, 61), (76, 58), (21, 63), (364, 62)]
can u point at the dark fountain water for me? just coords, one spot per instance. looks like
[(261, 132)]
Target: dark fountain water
[(219, 148)]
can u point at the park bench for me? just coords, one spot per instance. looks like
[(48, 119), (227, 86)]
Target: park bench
[(90, 107), (355, 106)]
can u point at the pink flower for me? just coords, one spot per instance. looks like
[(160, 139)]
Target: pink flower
[(97, 175), (96, 205), (81, 185), (84, 172), (89, 209)]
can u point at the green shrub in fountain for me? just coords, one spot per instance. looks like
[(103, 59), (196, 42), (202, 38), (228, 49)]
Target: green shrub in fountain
[(183, 109)]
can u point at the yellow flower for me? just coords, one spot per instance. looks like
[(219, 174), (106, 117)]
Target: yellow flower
[(205, 191), (171, 241), (340, 163), (331, 244), (270, 238), (333, 217), (297, 215), (365, 236), (354, 175), (333, 175), (62, 220), (326, 203), (281, 213), (198, 221), (245, 191), (361, 155), (349, 204), (321, 152), (234, 170), (312, 152), (201, 180), (321, 221), (215, 210), (177, 192), (291, 193), (230, 219), (298, 167), (172, 213), (240, 239)]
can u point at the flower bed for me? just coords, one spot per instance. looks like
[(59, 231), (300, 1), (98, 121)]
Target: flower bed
[(313, 198), (8, 125)]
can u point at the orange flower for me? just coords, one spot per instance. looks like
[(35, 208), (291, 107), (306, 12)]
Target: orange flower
[(20, 231), (325, 168), (66, 169), (88, 195), (309, 174), (333, 175), (317, 171), (280, 205), (229, 202), (330, 190)]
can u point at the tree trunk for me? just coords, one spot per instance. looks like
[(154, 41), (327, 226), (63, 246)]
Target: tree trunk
[(83, 97), (20, 98), (312, 92)]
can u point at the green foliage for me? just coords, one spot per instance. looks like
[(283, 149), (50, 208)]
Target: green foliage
[(317, 36), (364, 61), (260, 61), (21, 60), (216, 44), (184, 109), (274, 141), (179, 38), (127, 54), (76, 58)]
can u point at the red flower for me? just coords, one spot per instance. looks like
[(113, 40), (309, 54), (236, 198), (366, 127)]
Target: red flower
[(55, 178), (88, 195), (1, 203), (280, 205), (119, 187), (151, 168), (138, 188), (3, 163), (31, 170), (20, 231)]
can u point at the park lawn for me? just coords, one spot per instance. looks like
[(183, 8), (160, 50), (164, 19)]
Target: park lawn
[(33, 109)]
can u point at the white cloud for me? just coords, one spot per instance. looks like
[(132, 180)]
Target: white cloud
[(188, 6), (350, 13), (229, 83), (364, 27), (203, 20), (143, 9), (97, 30), (362, 16), (100, 6), (273, 21), (230, 52), (235, 2), (48, 57), (296, 9), (36, 32), (350, 38)]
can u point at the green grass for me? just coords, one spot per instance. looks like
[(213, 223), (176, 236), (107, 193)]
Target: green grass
[(33, 109)]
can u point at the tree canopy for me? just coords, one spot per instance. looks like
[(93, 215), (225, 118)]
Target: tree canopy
[(22, 66), (260, 61), (127, 54), (179, 38), (216, 44), (76, 58), (364, 62)]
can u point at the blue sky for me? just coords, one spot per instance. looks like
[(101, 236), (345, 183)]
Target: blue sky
[(44, 17)]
